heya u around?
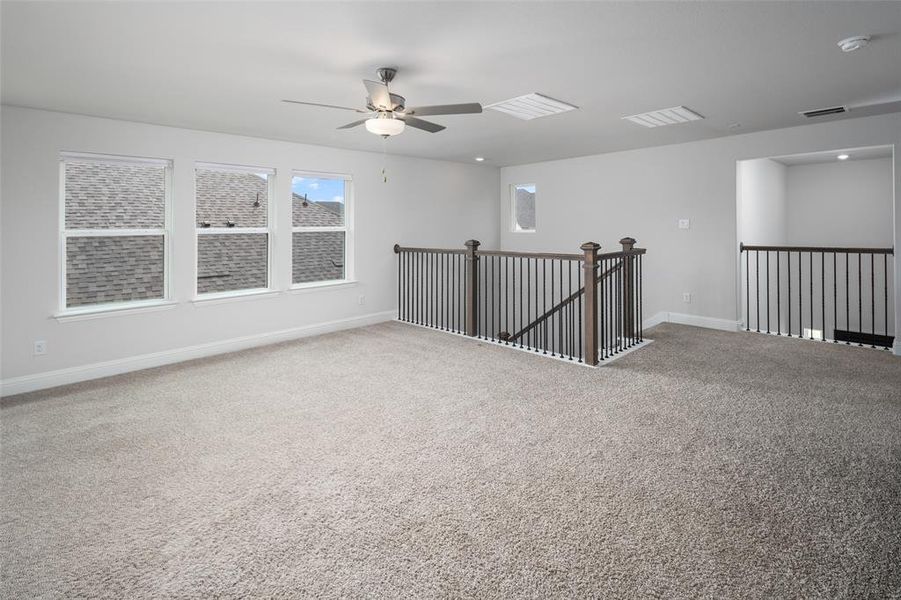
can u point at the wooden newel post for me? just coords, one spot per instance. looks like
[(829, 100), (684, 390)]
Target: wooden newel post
[(590, 310), (628, 285), (472, 288)]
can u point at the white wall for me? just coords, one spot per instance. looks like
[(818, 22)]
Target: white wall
[(424, 202), (762, 185), (643, 193), (845, 203)]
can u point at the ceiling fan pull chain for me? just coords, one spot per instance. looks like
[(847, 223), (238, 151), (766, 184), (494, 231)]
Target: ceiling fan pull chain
[(384, 159)]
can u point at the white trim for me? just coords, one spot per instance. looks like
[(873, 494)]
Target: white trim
[(310, 229), (114, 232), (347, 229), (615, 357), (320, 175), (226, 167), (269, 230), (896, 349), (48, 379), (220, 297), (114, 159), (167, 165), (113, 309), (319, 285), (695, 320), (232, 230), (514, 227)]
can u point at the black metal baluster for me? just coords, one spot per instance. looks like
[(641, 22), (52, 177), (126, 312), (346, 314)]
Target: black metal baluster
[(768, 291), (873, 297), (800, 299), (788, 264), (581, 286), (810, 262), (518, 324), (544, 304), (834, 295), (757, 287), (859, 299), (560, 345), (847, 297), (822, 295), (885, 292), (747, 290), (640, 310), (778, 293)]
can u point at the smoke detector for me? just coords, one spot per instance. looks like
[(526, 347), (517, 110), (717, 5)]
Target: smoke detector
[(854, 43)]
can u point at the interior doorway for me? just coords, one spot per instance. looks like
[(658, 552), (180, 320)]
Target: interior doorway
[(816, 236)]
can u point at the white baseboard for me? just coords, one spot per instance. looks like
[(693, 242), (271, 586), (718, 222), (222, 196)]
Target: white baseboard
[(697, 321), (896, 349), (48, 379)]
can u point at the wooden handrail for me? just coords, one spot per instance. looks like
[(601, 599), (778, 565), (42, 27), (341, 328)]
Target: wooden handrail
[(557, 307), (836, 249), (536, 255), (398, 249)]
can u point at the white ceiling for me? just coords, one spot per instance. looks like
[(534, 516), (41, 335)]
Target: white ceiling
[(225, 66), (813, 158)]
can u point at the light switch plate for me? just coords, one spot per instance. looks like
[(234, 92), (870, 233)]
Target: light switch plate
[(684, 224)]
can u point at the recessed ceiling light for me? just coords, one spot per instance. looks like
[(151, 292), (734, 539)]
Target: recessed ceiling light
[(664, 116), (854, 43), (531, 106), (843, 157), (480, 158)]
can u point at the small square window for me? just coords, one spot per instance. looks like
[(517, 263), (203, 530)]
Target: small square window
[(523, 207)]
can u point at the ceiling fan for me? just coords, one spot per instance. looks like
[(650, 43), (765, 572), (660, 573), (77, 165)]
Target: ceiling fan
[(388, 114)]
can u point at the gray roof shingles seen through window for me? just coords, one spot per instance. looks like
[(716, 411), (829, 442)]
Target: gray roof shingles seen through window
[(108, 195)]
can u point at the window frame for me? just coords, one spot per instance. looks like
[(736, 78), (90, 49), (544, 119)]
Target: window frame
[(269, 230), (349, 275), (64, 234), (514, 226)]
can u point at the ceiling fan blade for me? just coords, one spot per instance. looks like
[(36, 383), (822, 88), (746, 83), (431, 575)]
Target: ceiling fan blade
[(445, 109), (422, 124), (324, 105), (378, 94), (354, 124)]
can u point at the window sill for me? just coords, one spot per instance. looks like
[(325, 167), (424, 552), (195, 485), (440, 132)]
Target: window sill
[(522, 231), (222, 297), (321, 285), (101, 311)]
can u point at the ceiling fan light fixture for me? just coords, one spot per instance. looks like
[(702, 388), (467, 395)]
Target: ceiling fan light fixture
[(385, 125)]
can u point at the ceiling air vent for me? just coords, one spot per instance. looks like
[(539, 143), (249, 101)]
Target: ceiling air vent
[(822, 112), (664, 116), (531, 106)]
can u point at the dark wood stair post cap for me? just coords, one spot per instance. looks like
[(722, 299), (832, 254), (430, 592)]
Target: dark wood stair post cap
[(473, 244), (589, 246), (628, 243), (397, 248)]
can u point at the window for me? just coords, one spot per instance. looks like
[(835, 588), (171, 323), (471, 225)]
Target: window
[(523, 207), (320, 233), (233, 235), (115, 230)]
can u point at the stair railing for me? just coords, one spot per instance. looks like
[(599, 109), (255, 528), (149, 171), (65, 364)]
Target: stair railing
[(532, 301), (836, 294)]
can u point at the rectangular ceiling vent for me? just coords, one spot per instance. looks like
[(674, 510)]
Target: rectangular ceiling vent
[(531, 106), (664, 116), (822, 112)]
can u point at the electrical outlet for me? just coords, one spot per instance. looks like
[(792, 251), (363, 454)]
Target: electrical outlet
[(40, 348), (684, 223), (686, 297), (361, 300)]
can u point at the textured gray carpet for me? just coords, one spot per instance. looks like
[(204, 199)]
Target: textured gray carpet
[(394, 461)]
